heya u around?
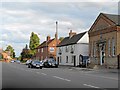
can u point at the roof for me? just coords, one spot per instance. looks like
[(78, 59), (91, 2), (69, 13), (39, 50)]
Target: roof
[(73, 40), (114, 18), (45, 43)]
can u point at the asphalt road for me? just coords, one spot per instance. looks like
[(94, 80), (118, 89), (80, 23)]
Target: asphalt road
[(19, 76)]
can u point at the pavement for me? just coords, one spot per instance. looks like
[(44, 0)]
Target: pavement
[(89, 69)]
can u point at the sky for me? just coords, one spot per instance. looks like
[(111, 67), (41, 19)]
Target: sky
[(18, 18)]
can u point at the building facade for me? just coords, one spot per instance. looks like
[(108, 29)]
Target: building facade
[(47, 49), (104, 41), (71, 49)]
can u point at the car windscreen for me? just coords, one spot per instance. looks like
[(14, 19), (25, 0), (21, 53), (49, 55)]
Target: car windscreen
[(36, 61)]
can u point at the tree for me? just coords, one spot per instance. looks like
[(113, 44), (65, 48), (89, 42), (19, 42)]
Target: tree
[(61, 38), (11, 50), (26, 54), (34, 42)]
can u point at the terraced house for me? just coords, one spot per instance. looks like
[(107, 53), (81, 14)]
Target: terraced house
[(47, 49), (104, 41)]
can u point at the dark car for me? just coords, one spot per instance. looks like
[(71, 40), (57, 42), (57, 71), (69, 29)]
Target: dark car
[(35, 64), (50, 62)]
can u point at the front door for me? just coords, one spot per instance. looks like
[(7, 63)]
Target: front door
[(58, 60), (102, 54), (74, 59)]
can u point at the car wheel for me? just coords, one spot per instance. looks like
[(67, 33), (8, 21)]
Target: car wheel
[(56, 66), (40, 67), (28, 66)]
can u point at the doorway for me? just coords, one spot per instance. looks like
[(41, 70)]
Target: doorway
[(58, 59), (102, 54), (74, 60)]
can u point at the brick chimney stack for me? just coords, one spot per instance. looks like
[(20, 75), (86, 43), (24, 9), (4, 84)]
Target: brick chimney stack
[(72, 33), (48, 37)]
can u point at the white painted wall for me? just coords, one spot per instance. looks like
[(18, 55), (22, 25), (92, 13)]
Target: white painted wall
[(79, 49), (84, 39)]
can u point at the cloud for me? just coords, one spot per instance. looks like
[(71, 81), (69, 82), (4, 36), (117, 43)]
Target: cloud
[(19, 19)]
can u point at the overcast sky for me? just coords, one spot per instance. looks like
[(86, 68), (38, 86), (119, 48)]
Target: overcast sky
[(19, 19)]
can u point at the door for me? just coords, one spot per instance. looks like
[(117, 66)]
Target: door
[(74, 59), (58, 60), (80, 59), (102, 54)]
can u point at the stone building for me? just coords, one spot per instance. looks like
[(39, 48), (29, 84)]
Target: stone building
[(104, 41)]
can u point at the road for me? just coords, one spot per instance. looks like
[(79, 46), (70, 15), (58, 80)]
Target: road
[(19, 76)]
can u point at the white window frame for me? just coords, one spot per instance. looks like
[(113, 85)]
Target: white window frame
[(60, 59), (109, 47), (113, 47), (67, 49), (41, 49)]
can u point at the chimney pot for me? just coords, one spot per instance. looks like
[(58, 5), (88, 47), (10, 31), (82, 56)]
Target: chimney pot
[(72, 33), (48, 37)]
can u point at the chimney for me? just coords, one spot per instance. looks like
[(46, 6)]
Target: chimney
[(48, 37), (72, 33)]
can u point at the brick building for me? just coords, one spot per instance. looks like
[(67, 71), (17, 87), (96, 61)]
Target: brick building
[(47, 49), (104, 41)]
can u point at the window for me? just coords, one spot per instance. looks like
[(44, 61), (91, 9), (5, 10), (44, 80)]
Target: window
[(109, 47), (72, 48), (60, 51), (113, 47), (91, 49), (60, 59), (38, 50), (66, 59), (67, 49), (41, 49), (94, 49)]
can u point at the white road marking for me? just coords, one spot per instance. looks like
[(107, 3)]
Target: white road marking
[(90, 86), (43, 74), (68, 80), (62, 78)]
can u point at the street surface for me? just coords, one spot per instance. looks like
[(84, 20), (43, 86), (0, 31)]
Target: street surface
[(19, 76)]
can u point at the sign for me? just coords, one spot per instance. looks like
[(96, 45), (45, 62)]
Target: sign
[(51, 49)]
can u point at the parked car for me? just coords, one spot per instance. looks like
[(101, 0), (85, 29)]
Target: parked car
[(50, 62), (12, 61), (17, 61), (35, 64), (28, 61)]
